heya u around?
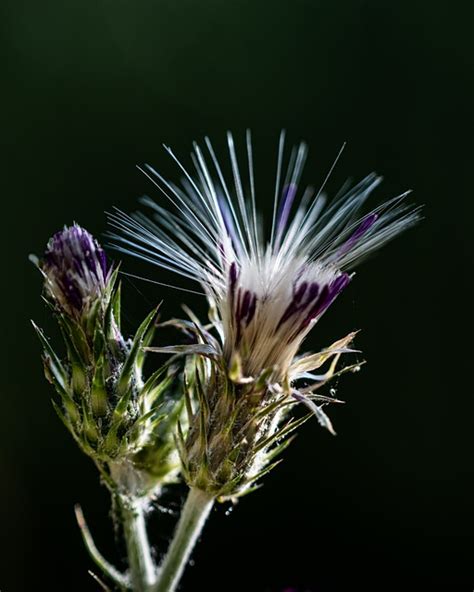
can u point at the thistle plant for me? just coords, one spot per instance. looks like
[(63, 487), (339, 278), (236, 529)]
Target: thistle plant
[(123, 422), (221, 410), (266, 291)]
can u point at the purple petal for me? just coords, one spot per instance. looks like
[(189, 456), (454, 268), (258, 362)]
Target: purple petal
[(289, 193), (362, 229)]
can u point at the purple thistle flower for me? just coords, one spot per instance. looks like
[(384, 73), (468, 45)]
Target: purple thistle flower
[(270, 289), (75, 269)]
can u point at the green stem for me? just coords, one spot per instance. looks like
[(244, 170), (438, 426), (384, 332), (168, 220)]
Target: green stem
[(108, 569), (193, 517), (140, 562)]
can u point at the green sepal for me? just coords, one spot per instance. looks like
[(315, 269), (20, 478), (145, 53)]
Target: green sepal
[(134, 429), (112, 314), (277, 450), (56, 374), (56, 366), (74, 339), (261, 473), (68, 402), (89, 426), (154, 392), (146, 341), (281, 433), (235, 368), (117, 306), (146, 395), (98, 343), (180, 442), (245, 491), (91, 319), (99, 394), (63, 418), (111, 441), (202, 349), (263, 378), (123, 384), (109, 288)]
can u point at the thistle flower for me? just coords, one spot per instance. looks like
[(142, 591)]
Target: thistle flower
[(125, 424), (266, 292), (75, 269)]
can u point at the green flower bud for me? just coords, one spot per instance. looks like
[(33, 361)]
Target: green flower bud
[(124, 423)]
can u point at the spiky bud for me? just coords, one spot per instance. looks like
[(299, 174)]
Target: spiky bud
[(123, 422), (76, 270)]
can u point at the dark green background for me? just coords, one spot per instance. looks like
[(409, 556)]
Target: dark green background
[(92, 88)]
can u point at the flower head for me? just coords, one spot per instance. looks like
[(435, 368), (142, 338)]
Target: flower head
[(75, 268), (268, 290), (114, 414)]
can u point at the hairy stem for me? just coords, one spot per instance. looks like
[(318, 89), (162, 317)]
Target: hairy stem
[(193, 517), (142, 568)]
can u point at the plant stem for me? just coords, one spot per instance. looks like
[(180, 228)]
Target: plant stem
[(142, 568), (108, 569), (193, 517)]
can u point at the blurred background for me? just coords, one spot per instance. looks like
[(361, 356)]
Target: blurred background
[(92, 88)]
